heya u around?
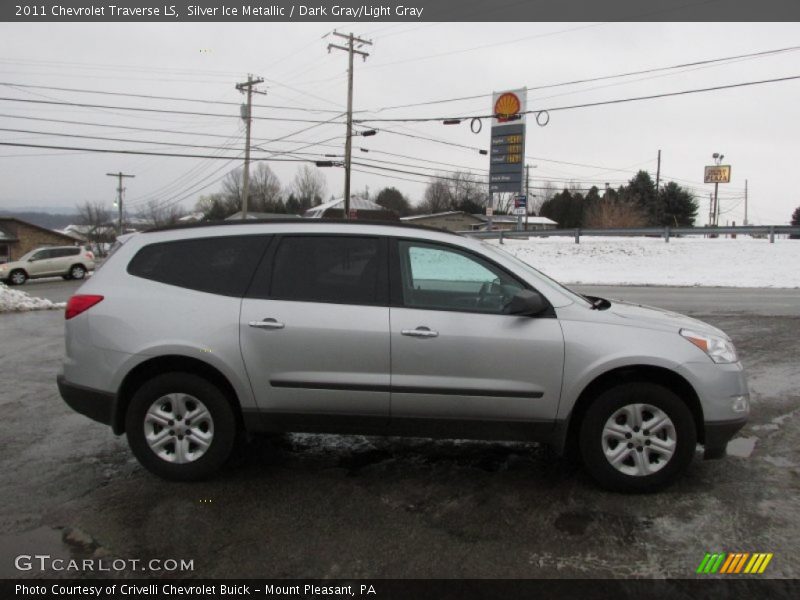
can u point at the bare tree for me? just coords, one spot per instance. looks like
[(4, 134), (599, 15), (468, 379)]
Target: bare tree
[(264, 194), (309, 186), (156, 214), (96, 221), (460, 190), (437, 197), (610, 212), (547, 191)]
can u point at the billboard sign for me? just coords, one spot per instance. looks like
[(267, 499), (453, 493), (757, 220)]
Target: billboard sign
[(717, 174), (507, 156)]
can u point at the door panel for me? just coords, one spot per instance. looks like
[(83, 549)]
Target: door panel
[(314, 328), (326, 359), (455, 353), (478, 366)]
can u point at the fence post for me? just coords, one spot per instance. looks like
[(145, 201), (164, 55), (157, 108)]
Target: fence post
[(772, 234), (577, 236), (501, 236), (666, 234)]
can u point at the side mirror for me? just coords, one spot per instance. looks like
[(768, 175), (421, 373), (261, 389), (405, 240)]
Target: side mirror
[(527, 303)]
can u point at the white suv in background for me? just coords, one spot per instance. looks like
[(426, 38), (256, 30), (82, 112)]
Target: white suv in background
[(69, 262)]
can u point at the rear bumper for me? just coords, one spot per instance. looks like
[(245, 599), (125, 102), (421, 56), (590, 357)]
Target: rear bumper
[(717, 436), (95, 404)]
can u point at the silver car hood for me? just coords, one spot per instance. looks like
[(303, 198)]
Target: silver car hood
[(659, 318)]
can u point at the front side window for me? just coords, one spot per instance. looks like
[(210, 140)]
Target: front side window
[(334, 269), (220, 265), (444, 278)]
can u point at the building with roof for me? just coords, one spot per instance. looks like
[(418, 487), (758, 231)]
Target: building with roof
[(453, 220), (509, 222), (360, 208), (18, 237), (259, 215)]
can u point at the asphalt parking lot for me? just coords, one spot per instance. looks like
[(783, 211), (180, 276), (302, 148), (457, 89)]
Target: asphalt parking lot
[(347, 507)]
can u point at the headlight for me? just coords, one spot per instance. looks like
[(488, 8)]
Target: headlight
[(718, 348)]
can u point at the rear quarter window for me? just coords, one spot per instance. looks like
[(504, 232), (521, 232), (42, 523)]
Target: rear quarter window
[(218, 265)]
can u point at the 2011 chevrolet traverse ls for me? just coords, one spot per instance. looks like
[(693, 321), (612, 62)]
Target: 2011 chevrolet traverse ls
[(188, 337)]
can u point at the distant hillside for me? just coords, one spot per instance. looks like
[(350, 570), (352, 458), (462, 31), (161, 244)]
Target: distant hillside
[(50, 221)]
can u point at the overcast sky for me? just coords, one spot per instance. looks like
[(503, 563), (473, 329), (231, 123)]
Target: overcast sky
[(756, 128)]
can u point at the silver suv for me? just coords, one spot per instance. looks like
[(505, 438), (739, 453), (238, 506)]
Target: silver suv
[(190, 337), (69, 262)]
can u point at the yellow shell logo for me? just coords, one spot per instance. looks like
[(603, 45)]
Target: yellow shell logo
[(507, 105)]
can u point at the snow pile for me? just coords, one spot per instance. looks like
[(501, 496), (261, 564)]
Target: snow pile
[(16, 301), (689, 261)]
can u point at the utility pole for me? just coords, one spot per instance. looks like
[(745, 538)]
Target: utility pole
[(527, 194), (745, 202), (247, 116), (120, 189), (658, 172), (348, 147)]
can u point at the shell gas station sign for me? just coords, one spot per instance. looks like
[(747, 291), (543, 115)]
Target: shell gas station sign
[(507, 156)]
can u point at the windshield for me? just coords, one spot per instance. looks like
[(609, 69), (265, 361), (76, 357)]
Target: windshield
[(525, 266)]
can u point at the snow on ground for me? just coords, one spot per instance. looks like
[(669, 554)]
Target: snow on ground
[(689, 261), (17, 301)]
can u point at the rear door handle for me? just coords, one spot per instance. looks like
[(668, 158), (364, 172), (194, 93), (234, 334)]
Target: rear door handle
[(266, 324), (422, 332)]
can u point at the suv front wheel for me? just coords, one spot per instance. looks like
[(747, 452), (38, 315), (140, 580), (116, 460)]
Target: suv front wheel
[(637, 437), (180, 426)]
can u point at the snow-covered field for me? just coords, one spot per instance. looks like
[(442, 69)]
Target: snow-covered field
[(691, 261), (12, 300)]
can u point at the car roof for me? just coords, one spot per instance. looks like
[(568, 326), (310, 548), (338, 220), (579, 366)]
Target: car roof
[(288, 223)]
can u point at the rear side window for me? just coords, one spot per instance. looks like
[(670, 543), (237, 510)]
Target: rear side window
[(334, 269), (219, 265)]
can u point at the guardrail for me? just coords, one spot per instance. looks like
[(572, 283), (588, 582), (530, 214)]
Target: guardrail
[(663, 232)]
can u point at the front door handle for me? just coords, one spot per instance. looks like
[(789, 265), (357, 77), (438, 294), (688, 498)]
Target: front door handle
[(266, 324), (422, 332)]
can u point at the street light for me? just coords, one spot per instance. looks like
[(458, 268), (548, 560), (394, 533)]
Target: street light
[(715, 209)]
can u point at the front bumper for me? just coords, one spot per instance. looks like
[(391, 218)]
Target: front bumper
[(717, 436), (95, 404)]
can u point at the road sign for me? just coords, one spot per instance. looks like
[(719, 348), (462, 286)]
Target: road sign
[(520, 211), (717, 174), (507, 154), (489, 211)]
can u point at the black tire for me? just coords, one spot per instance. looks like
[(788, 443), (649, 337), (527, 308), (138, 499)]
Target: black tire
[(17, 277), (606, 405), (77, 272), (222, 414)]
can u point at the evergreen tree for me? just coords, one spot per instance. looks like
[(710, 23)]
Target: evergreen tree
[(795, 222), (676, 206)]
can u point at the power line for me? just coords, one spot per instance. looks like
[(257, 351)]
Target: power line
[(601, 78), (586, 105), (153, 97), (156, 110), (134, 128), (144, 153)]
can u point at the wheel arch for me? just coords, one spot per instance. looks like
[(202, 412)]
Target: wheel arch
[(641, 373), (170, 364)]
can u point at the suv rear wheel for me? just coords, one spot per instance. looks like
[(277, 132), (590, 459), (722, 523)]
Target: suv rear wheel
[(637, 437), (77, 272), (180, 426)]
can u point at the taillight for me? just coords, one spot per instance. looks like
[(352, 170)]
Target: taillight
[(80, 303), (90, 256)]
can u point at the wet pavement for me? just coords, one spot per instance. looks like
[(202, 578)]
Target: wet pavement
[(352, 506)]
